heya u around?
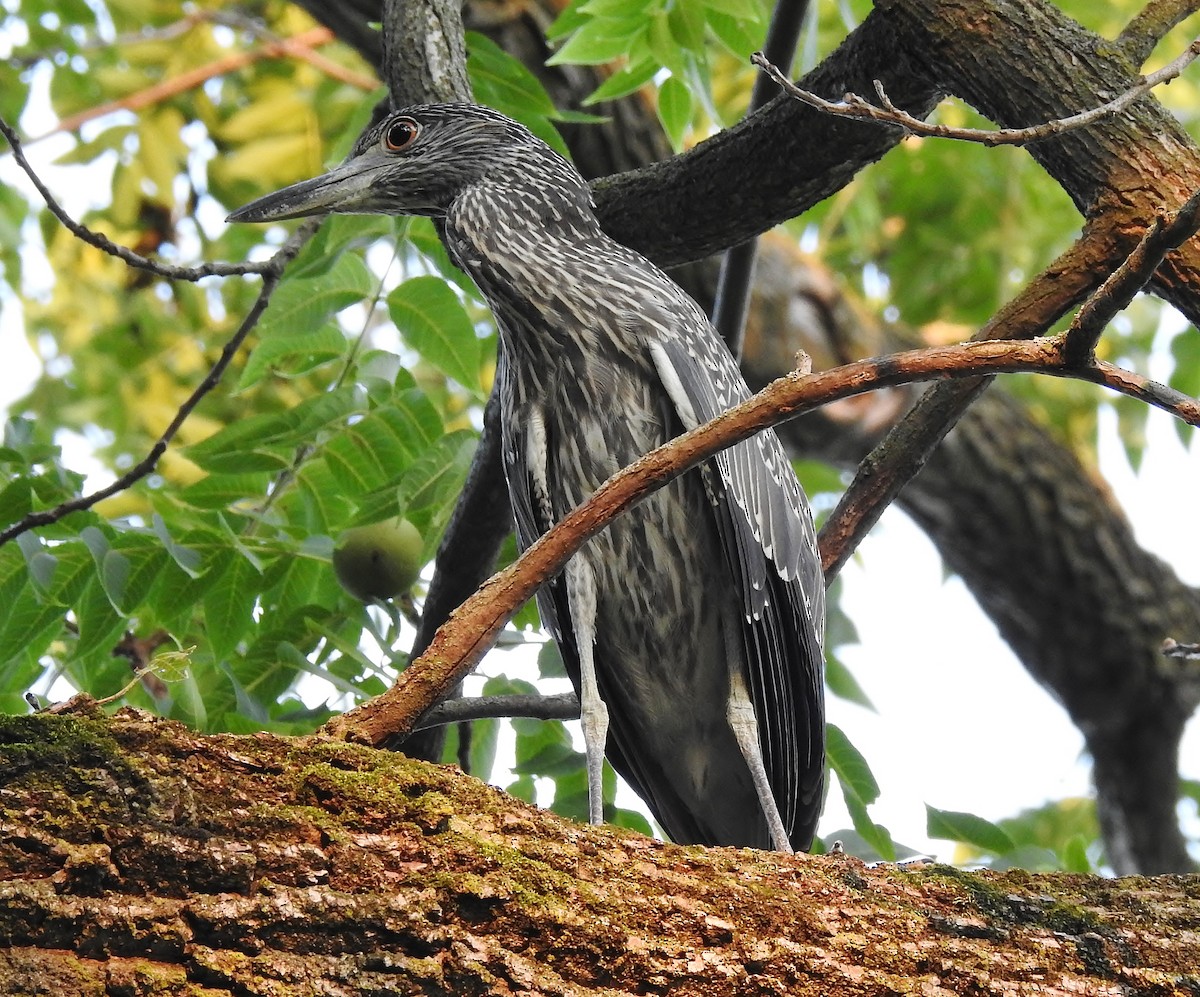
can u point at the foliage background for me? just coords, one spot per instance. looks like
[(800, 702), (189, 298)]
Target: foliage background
[(359, 397)]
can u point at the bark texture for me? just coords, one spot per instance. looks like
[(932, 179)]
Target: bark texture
[(141, 859)]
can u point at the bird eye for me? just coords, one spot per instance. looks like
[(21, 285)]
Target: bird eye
[(401, 134)]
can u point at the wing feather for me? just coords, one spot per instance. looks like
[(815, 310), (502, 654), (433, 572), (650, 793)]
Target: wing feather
[(767, 532)]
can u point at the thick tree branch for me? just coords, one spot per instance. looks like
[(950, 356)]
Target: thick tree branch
[(139, 857), (474, 626)]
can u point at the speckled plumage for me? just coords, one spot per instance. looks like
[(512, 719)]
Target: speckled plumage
[(713, 581)]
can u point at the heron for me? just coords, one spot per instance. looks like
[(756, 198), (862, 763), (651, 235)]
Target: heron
[(692, 626)]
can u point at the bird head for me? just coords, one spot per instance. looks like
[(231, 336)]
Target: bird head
[(416, 161)]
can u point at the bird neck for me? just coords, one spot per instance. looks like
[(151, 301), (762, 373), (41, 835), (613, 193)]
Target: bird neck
[(533, 250)]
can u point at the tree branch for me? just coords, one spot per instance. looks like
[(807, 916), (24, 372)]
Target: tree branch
[(1131, 276), (853, 106), (106, 245), (564, 706), (1151, 23), (473, 627)]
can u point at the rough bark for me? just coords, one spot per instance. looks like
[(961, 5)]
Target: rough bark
[(142, 859)]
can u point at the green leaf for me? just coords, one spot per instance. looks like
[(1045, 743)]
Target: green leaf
[(675, 109), (220, 491), (376, 450), (130, 569), (503, 82), (292, 355), (1185, 377), (100, 626), (485, 735), (956, 826), (189, 560), (849, 764), (841, 682), (625, 80), (16, 500), (265, 443), (740, 36), (597, 41), (436, 477), (304, 304), (873, 834), (229, 602), (686, 20), (433, 321)]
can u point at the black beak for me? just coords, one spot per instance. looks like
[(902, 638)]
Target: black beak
[(347, 188)]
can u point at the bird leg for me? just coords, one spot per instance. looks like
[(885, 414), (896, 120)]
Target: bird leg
[(593, 713), (740, 713)]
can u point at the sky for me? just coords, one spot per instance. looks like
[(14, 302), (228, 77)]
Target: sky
[(948, 692)]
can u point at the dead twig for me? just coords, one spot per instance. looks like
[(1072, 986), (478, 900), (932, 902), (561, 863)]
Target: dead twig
[(853, 106)]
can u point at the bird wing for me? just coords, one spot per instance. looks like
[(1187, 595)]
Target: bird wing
[(766, 530), (527, 468)]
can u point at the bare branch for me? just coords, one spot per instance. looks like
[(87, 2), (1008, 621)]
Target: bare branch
[(564, 706), (106, 245), (474, 626), (272, 271), (854, 106), (903, 451), (1131, 276)]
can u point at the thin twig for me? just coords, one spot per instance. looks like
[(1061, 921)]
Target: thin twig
[(474, 626), (271, 271), (854, 106), (106, 245), (1126, 280)]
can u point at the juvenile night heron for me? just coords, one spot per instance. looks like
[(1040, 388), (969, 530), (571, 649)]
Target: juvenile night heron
[(692, 626)]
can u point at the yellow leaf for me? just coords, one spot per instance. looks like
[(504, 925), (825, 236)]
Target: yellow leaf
[(279, 159), (280, 113)]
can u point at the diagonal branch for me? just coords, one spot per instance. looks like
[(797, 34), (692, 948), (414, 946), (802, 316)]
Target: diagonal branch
[(1163, 235), (903, 452), (300, 47), (474, 626)]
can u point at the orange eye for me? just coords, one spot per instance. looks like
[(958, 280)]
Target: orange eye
[(400, 134)]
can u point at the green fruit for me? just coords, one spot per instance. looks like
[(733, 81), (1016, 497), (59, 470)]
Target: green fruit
[(379, 561)]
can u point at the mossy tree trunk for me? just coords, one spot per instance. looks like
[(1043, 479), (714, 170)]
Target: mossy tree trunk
[(139, 858)]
